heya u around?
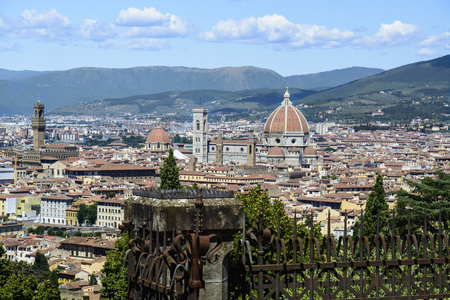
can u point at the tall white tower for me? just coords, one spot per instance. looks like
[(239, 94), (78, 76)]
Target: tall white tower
[(200, 129)]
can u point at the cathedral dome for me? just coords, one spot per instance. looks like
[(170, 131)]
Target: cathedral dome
[(158, 135), (285, 119)]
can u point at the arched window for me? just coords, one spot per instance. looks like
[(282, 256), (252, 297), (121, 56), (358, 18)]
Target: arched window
[(198, 125)]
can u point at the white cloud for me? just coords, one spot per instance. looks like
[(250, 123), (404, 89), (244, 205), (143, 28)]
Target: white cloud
[(145, 17), (426, 52), (394, 34), (149, 22), (136, 44), (97, 30), (442, 40), (278, 30), (45, 19), (47, 25)]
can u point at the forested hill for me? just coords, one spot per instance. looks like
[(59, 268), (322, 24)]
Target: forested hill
[(61, 88), (415, 90)]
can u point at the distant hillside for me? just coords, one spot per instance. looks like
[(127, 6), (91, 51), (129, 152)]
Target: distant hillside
[(330, 78), (415, 90), (17, 75), (419, 90), (61, 88), (252, 104)]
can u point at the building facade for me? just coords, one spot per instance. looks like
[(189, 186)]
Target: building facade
[(53, 209), (110, 212)]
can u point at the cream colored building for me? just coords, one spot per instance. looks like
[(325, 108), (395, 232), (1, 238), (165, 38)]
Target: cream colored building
[(110, 212)]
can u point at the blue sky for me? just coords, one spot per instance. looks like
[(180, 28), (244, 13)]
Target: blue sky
[(289, 37)]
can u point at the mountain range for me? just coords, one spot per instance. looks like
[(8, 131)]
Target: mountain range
[(419, 90), (20, 89)]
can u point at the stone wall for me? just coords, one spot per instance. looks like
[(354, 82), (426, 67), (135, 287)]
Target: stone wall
[(221, 216)]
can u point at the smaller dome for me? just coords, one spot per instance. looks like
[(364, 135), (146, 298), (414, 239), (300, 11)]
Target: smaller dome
[(276, 151), (310, 151), (158, 135)]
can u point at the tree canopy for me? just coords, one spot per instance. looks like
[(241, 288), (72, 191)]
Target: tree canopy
[(87, 212), (169, 173), (115, 282), (20, 280), (257, 201), (429, 195)]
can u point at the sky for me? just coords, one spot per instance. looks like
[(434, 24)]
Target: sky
[(290, 37)]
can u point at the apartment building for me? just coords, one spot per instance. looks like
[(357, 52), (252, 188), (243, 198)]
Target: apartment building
[(110, 212)]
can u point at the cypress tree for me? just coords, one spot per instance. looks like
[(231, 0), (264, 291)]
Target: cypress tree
[(169, 173), (375, 204)]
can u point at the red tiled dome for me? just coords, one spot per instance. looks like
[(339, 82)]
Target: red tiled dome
[(276, 151), (286, 118), (310, 151), (158, 135)]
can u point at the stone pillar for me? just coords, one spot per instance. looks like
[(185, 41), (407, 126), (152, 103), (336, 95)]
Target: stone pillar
[(221, 216)]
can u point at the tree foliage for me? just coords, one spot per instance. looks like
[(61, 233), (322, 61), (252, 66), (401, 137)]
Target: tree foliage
[(87, 212), (169, 173), (115, 282), (376, 204), (134, 141), (40, 263), (92, 280), (20, 280), (47, 291), (38, 230), (429, 195), (183, 140), (257, 202)]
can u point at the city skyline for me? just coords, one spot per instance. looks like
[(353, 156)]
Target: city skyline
[(294, 37)]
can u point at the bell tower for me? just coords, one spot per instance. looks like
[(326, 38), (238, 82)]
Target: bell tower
[(200, 129), (38, 124)]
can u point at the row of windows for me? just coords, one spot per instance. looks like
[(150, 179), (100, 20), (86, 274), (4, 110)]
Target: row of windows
[(58, 221), (109, 218), (109, 210), (109, 224)]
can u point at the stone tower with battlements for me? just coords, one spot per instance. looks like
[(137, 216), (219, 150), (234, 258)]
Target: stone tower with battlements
[(38, 124)]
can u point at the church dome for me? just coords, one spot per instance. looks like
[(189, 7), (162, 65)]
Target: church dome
[(310, 151), (276, 151), (158, 135), (286, 118)]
